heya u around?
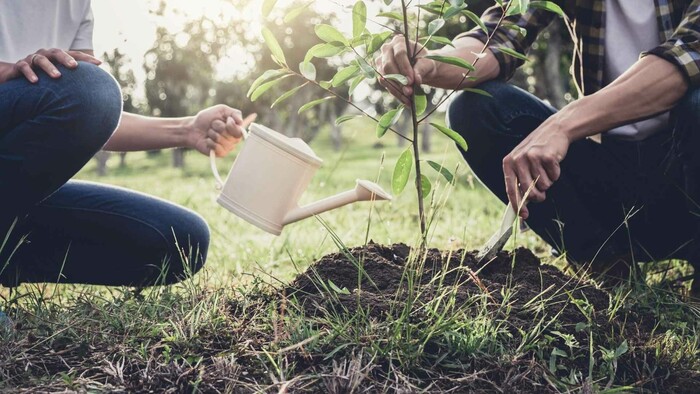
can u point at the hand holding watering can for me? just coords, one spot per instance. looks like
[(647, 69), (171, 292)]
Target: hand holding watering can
[(269, 176)]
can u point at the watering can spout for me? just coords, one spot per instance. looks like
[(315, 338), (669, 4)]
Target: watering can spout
[(363, 191)]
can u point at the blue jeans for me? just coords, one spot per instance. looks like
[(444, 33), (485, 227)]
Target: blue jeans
[(80, 232), (612, 198)]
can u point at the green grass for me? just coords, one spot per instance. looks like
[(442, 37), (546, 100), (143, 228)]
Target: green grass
[(232, 329)]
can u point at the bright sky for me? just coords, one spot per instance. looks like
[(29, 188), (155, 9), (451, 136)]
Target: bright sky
[(129, 25)]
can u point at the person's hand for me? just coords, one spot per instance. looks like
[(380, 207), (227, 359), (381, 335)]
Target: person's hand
[(533, 166), (395, 59), (44, 59), (218, 128)]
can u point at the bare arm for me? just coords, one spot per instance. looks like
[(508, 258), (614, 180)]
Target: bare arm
[(217, 128), (651, 86)]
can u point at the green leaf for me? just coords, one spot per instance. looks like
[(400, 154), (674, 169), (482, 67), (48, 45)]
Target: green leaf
[(344, 74), (266, 86), (421, 103), (355, 83), (366, 68), (387, 120), (558, 352), (401, 171), (308, 70), (441, 40), (454, 136), (452, 11), (442, 170), (287, 94), (345, 118), (359, 18), (274, 46), (512, 52), (455, 61), (425, 185), (478, 91), (295, 12), (314, 103), (391, 15), (337, 289), (549, 6), (267, 75), (329, 33), (524, 5), (622, 349), (388, 2), (325, 50), (267, 7), (377, 41), (435, 25), (398, 78), (457, 3), (325, 84), (476, 19)]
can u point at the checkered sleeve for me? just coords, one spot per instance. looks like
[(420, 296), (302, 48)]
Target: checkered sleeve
[(683, 48), (517, 32)]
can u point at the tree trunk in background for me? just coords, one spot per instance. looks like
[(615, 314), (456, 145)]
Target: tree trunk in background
[(179, 158), (101, 157), (552, 65), (425, 140), (122, 160), (336, 136), (549, 84), (402, 126)]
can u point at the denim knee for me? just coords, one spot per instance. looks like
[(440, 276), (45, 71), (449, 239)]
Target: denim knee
[(469, 112), (89, 99)]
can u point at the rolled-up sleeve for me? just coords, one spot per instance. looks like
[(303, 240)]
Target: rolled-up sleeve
[(683, 48), (517, 32)]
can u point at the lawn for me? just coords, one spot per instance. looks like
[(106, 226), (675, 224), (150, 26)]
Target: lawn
[(241, 326)]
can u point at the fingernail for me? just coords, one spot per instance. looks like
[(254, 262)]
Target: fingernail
[(56, 73), (33, 79)]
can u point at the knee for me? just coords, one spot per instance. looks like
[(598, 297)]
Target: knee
[(469, 111), (90, 100)]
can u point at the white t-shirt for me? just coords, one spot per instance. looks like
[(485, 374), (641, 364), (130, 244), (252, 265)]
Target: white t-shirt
[(631, 27), (29, 25)]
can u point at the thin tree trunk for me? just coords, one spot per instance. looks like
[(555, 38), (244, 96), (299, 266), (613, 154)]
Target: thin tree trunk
[(179, 158), (102, 157)]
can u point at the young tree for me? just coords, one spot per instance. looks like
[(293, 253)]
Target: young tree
[(360, 49)]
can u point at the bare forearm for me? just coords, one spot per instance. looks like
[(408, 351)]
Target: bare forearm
[(651, 86), (136, 132), (447, 76)]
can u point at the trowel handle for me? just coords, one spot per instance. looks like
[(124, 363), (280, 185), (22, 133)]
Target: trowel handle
[(212, 164)]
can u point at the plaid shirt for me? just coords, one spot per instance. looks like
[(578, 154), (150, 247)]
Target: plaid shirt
[(679, 37)]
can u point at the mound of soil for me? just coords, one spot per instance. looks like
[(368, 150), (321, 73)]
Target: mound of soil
[(381, 286), (522, 294)]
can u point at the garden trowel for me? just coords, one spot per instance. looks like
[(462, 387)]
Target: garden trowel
[(500, 237)]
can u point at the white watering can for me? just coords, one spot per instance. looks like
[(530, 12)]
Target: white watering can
[(269, 176)]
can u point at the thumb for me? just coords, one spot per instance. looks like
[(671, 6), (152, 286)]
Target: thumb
[(423, 69)]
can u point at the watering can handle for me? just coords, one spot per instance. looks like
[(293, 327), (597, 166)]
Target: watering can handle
[(212, 163)]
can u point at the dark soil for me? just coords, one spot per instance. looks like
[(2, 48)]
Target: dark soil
[(382, 293)]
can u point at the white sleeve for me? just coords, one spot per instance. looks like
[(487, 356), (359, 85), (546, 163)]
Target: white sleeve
[(83, 37)]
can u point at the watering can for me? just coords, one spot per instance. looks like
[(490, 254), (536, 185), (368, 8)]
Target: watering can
[(270, 174)]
